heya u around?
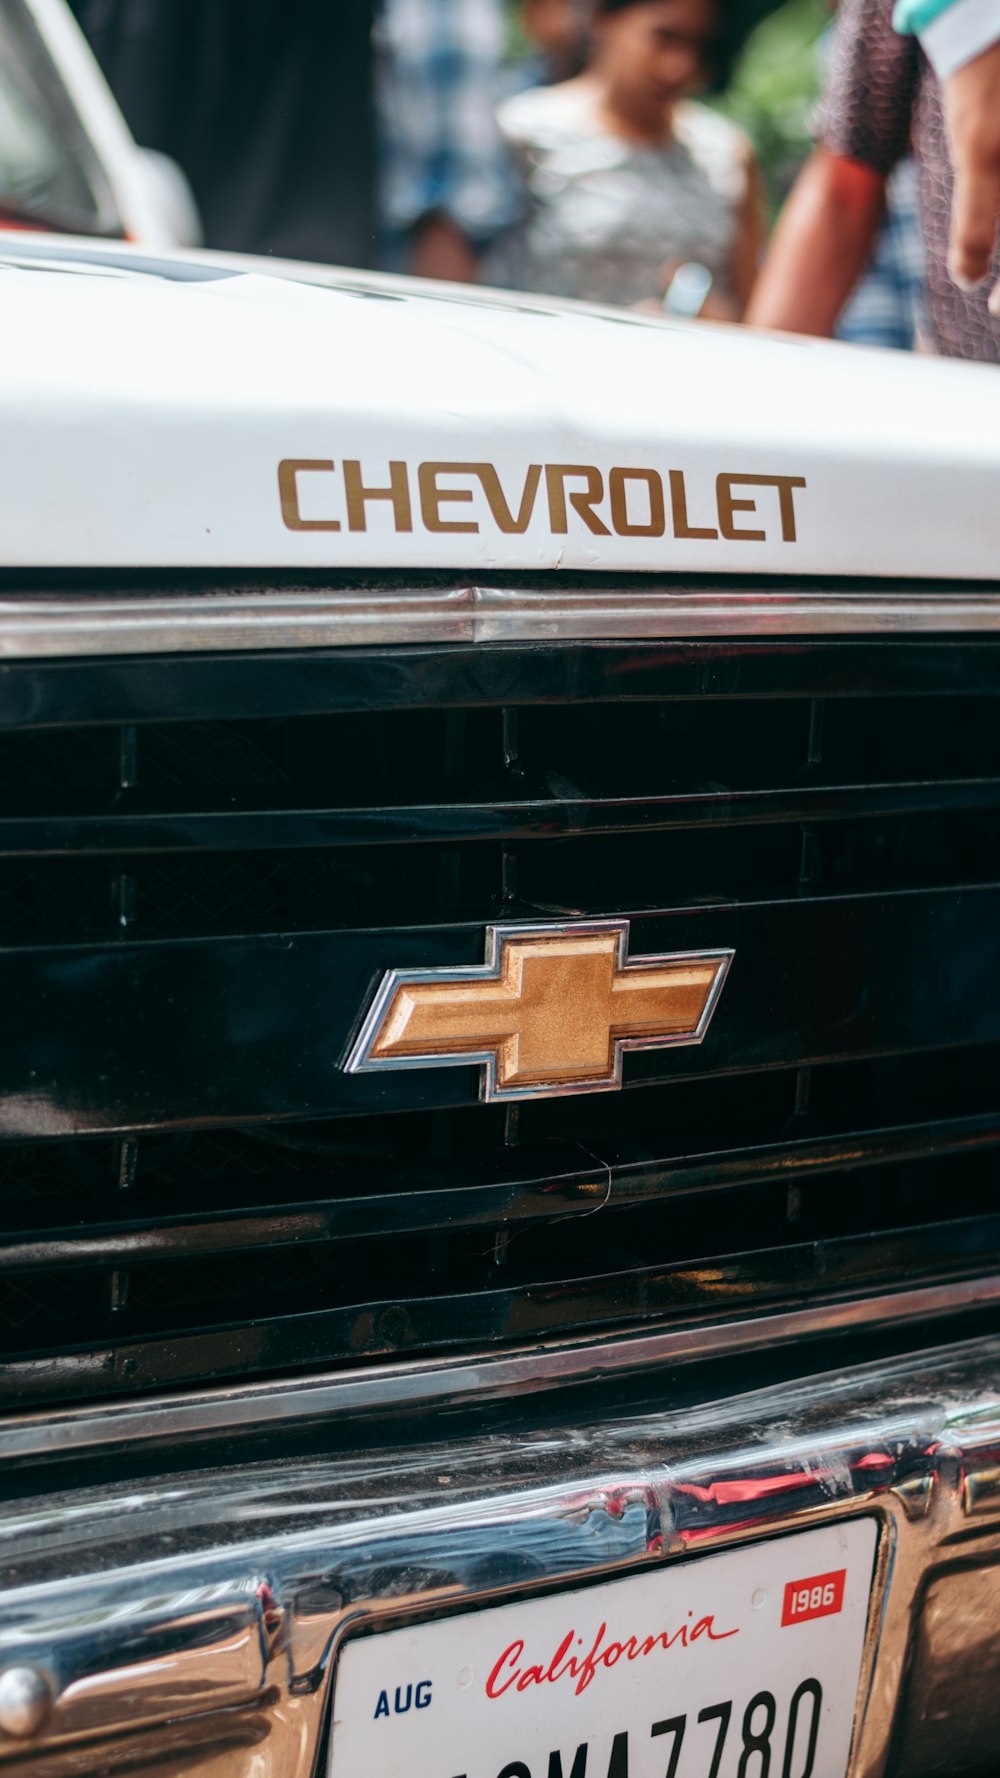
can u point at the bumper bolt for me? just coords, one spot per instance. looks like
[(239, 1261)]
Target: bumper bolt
[(25, 1702)]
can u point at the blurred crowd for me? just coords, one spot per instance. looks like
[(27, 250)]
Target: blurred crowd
[(566, 147)]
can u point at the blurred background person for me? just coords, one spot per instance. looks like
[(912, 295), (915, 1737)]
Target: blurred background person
[(886, 307), (887, 304), (348, 133), (556, 33), (882, 97), (627, 177), (446, 179), (266, 107)]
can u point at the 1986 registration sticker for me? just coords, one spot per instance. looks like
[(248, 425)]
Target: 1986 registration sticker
[(743, 1664)]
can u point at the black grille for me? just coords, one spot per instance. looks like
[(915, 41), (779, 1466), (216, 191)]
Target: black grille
[(194, 909)]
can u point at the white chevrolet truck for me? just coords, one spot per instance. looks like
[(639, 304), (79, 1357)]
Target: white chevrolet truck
[(500, 1056)]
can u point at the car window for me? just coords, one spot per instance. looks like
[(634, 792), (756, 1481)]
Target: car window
[(49, 174)]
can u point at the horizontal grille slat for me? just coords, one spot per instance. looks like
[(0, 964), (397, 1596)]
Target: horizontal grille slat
[(206, 866), (557, 1186), (688, 1293), (543, 817), (258, 1027), (242, 686)]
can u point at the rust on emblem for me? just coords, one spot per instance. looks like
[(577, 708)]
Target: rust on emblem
[(550, 1011)]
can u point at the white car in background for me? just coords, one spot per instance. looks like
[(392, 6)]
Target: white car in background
[(68, 162)]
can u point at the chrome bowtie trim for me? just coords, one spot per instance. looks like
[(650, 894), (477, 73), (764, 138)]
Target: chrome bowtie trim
[(550, 1012)]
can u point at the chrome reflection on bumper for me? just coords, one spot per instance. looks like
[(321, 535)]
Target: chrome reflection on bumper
[(191, 1624)]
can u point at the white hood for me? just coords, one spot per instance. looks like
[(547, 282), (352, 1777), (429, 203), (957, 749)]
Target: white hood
[(147, 409)]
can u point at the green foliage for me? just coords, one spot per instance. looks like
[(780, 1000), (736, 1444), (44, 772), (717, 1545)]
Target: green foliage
[(517, 43), (774, 91)]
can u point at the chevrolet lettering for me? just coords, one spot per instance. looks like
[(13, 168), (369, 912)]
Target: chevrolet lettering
[(500, 1054), (634, 501)]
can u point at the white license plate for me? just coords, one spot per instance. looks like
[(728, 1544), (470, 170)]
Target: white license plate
[(738, 1665)]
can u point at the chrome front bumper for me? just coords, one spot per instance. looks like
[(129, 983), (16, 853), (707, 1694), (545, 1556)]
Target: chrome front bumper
[(191, 1625)]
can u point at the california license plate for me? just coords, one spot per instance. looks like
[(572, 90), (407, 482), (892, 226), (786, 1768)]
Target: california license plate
[(738, 1665)]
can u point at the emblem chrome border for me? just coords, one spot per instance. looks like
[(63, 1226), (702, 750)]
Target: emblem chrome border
[(361, 1061)]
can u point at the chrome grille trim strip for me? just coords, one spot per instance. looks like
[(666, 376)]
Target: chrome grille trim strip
[(42, 626), (457, 1382)]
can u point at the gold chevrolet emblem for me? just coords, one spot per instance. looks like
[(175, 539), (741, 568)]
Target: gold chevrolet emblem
[(550, 1011)]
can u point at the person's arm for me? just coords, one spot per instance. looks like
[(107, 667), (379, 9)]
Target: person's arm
[(820, 247), (727, 297), (961, 39), (438, 249), (972, 116), (749, 237)]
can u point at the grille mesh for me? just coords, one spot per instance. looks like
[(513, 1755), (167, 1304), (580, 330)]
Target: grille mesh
[(237, 1247)]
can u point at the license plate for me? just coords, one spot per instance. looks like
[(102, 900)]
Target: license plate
[(736, 1665)]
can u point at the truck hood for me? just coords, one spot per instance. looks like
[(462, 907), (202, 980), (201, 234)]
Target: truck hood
[(196, 413)]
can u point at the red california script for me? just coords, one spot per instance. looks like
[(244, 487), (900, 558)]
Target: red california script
[(565, 1664)]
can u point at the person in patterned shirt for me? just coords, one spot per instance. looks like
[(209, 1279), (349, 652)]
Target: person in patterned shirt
[(628, 178), (882, 96), (447, 183)]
